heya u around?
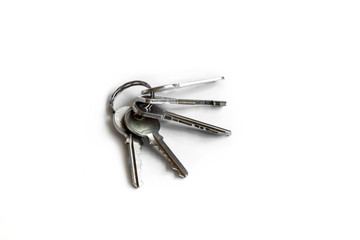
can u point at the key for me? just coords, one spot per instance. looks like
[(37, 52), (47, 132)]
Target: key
[(156, 112), (166, 100), (180, 85), (148, 129), (134, 145)]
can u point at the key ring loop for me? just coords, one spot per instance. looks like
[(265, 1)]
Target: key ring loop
[(125, 86)]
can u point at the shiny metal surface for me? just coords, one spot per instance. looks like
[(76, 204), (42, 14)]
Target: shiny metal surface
[(140, 123), (140, 127), (157, 113), (134, 144), (148, 129), (125, 86), (118, 121), (166, 100), (181, 85)]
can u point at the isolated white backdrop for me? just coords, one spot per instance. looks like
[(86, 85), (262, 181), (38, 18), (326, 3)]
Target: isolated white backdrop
[(290, 170)]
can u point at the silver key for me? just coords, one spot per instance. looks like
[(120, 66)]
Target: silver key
[(181, 85), (166, 100), (148, 129), (134, 144), (156, 112)]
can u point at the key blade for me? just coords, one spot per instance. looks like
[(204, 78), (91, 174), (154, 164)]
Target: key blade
[(200, 82), (166, 100), (181, 85), (156, 140), (134, 145), (148, 128), (197, 124), (201, 102), (157, 113)]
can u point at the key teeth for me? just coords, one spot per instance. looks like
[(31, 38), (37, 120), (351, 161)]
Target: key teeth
[(179, 173), (169, 161)]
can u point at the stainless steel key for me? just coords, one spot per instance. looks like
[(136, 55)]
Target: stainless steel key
[(134, 144), (156, 112), (181, 85), (166, 100), (148, 129)]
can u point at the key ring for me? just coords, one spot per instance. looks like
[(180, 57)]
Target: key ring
[(125, 86)]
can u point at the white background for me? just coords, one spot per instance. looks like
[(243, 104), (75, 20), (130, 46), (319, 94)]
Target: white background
[(290, 170)]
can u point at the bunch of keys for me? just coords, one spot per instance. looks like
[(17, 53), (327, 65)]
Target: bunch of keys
[(140, 123)]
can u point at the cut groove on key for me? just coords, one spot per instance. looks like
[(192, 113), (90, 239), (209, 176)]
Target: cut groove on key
[(160, 144), (148, 128), (156, 112), (166, 100), (141, 122)]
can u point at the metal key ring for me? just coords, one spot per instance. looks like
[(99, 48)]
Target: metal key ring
[(125, 86)]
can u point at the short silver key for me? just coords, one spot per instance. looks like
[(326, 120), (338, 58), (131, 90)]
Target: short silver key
[(167, 100), (156, 112), (148, 129), (134, 145)]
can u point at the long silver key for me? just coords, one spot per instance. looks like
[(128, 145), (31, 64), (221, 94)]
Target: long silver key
[(181, 85), (134, 145), (148, 129), (156, 112), (166, 100)]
